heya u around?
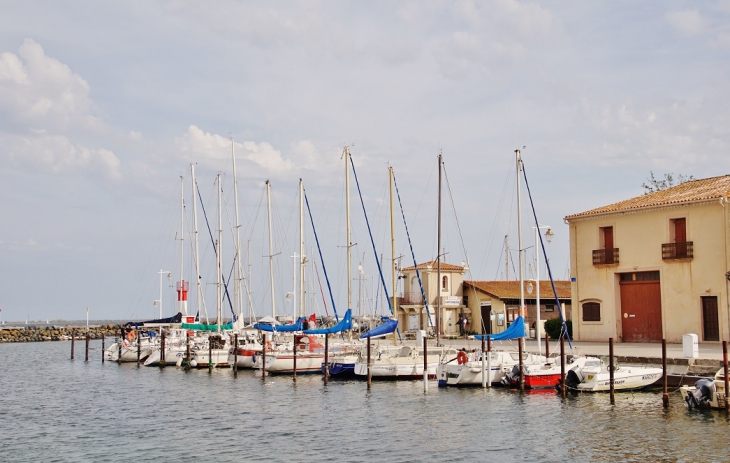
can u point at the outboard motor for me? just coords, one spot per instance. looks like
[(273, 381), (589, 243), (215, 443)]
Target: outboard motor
[(702, 395), (513, 377)]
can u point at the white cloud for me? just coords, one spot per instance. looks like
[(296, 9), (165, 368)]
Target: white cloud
[(56, 154), (213, 149), (688, 22), (41, 92)]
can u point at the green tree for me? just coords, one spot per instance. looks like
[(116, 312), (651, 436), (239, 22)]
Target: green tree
[(553, 327)]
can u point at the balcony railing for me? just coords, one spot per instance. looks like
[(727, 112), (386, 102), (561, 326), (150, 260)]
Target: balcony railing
[(671, 251), (412, 298), (605, 256)]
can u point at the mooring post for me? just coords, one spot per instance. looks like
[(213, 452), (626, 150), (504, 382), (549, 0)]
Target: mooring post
[(562, 365), (727, 379), (489, 361), (163, 361), (484, 363), (263, 359), (210, 354), (665, 394), (547, 345), (121, 342), (103, 346), (522, 376), (235, 356), (370, 370), (326, 358), (294, 360), (610, 371), (87, 346), (425, 364), (139, 348), (187, 349), (73, 335)]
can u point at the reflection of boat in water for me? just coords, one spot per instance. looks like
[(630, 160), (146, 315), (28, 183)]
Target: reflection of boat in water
[(706, 393), (591, 374)]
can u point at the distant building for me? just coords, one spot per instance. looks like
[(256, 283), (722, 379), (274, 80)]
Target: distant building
[(495, 304), (411, 310), (654, 266)]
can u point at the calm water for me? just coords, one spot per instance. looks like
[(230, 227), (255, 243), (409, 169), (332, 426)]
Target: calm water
[(54, 409)]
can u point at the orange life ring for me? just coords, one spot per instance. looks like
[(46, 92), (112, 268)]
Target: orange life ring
[(461, 357), (268, 346)]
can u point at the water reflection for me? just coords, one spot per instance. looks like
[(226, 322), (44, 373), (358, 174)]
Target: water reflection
[(54, 409)]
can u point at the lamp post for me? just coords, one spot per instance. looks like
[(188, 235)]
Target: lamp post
[(549, 237), (159, 301)]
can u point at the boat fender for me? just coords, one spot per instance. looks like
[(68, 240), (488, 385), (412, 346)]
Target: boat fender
[(193, 363), (179, 362), (461, 357)]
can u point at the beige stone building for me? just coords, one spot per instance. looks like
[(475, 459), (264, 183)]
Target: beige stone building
[(655, 266), (495, 304), (411, 310)]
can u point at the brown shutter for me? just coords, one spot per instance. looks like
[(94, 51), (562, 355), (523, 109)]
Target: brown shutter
[(680, 230)]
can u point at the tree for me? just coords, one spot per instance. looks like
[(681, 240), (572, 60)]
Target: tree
[(668, 182)]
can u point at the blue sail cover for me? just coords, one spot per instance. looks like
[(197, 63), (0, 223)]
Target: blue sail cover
[(281, 328), (345, 324), (387, 327), (514, 331)]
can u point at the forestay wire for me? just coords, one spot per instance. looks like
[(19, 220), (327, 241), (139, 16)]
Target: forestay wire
[(547, 263), (415, 264)]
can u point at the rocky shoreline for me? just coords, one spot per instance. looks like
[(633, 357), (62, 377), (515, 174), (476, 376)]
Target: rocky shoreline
[(55, 333)]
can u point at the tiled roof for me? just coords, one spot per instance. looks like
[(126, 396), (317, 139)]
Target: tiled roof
[(432, 266), (511, 289), (694, 190)]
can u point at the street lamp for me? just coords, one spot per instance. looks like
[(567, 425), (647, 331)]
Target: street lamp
[(549, 237), (159, 301)]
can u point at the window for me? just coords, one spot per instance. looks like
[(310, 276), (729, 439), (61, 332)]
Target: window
[(591, 312), (549, 307), (444, 283)]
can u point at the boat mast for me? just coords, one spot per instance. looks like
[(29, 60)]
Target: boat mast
[(302, 259), (238, 276), (392, 251), (219, 253), (197, 252), (438, 264), (349, 241), (506, 258), (183, 290), (271, 252), (518, 160)]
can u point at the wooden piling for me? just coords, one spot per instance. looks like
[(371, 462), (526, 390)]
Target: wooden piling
[(103, 347), (163, 360), (263, 359), (562, 366), (522, 375), (73, 335), (326, 358), (370, 370), (665, 394), (611, 386), (425, 364), (210, 355), (547, 345), (139, 349), (235, 356), (187, 349), (88, 337), (724, 371), (121, 343), (294, 360)]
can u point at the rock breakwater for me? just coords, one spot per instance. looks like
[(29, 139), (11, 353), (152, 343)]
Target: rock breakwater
[(54, 333)]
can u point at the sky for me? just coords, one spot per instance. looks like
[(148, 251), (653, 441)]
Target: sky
[(104, 106)]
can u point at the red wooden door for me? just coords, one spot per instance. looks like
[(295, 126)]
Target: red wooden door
[(710, 320), (608, 244), (641, 311), (680, 237)]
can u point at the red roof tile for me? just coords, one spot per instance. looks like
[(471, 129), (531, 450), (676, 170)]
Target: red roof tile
[(432, 266), (511, 289)]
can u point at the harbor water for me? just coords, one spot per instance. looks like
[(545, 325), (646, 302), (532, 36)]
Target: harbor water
[(56, 409)]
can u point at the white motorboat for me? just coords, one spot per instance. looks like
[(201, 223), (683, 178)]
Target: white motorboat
[(404, 363), (706, 393), (466, 369), (591, 374)]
